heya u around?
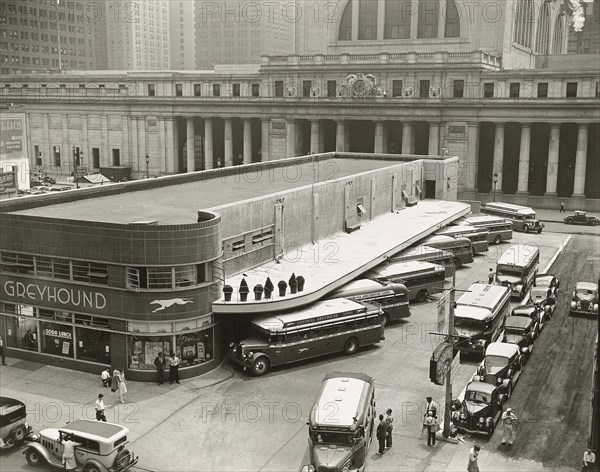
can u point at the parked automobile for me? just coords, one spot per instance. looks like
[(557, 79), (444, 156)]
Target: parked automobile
[(547, 280), (535, 312), (102, 447), (522, 332), (581, 218), (500, 367), (545, 298), (13, 422), (480, 410), (585, 299)]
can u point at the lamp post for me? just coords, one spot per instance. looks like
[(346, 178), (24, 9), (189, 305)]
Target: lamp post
[(147, 164), (495, 182)]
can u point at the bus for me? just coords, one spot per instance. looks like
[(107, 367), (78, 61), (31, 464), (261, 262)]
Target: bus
[(522, 217), (499, 229), (461, 248), (479, 317), (420, 278), (427, 254), (517, 268), (390, 297), (325, 327), (341, 423), (477, 236)]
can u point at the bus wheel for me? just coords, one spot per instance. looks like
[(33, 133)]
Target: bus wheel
[(260, 366), (457, 264), (386, 320), (351, 346), (497, 239), (422, 296), (525, 229)]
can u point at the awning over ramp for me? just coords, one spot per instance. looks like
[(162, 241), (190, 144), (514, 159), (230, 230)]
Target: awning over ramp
[(340, 258)]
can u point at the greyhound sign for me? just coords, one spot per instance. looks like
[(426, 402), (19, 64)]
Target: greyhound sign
[(162, 304)]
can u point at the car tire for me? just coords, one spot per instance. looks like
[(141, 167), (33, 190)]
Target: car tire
[(19, 434), (34, 457), (422, 296), (93, 468), (386, 320), (490, 426), (457, 263), (539, 231), (122, 455), (497, 239), (351, 346), (526, 228), (260, 366)]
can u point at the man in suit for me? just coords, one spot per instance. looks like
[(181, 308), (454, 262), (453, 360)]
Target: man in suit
[(381, 434)]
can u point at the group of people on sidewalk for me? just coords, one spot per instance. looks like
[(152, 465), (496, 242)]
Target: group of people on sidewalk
[(161, 362), (384, 431)]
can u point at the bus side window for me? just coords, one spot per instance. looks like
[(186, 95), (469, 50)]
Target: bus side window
[(293, 337), (328, 330)]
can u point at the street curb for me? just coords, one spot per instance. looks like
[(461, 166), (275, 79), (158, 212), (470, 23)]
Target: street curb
[(557, 253)]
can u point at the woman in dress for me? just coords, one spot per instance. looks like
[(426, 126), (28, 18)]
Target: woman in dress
[(122, 384)]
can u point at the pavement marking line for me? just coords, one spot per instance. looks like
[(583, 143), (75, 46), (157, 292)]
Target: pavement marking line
[(302, 428)]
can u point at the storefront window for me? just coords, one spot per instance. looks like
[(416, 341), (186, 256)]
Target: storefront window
[(21, 331), (194, 348), (57, 339), (93, 345), (144, 349)]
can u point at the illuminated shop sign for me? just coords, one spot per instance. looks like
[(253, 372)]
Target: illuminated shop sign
[(71, 297), (57, 333)]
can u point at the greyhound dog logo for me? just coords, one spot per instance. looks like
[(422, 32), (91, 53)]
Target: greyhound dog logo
[(168, 303)]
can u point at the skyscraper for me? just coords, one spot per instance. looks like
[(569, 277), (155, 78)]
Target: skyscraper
[(38, 35), (137, 34), (182, 14)]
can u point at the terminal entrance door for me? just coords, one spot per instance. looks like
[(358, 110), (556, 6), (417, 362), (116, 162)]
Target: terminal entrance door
[(430, 189)]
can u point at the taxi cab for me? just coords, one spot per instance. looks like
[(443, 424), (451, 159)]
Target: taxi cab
[(101, 447)]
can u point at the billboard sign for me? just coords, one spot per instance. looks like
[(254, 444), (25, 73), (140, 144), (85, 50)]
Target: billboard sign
[(13, 142), (7, 181)]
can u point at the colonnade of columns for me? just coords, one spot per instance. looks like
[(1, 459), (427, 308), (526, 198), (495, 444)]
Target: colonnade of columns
[(553, 158)]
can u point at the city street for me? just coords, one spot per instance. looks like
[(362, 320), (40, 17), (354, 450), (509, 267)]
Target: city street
[(265, 418)]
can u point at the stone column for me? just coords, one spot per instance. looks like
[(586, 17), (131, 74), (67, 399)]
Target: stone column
[(48, 158), (191, 153), (498, 156), (340, 130), (87, 152), (407, 139), (264, 144), (105, 157), (158, 158), (441, 14), (247, 141), (133, 145), (125, 153), (141, 135), (314, 136), (434, 139), (469, 170), (346, 136), (581, 161), (228, 138), (385, 137), (380, 19), (355, 11), (321, 136), (208, 144), (523, 183), (66, 154), (172, 155), (378, 148), (552, 173), (414, 19), (291, 138)]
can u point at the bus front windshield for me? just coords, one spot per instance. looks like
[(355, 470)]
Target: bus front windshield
[(259, 333), (509, 270), (332, 437)]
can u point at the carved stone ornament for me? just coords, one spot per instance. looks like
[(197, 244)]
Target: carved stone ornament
[(291, 91), (361, 85)]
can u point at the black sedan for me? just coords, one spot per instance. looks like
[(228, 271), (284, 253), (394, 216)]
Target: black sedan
[(581, 218)]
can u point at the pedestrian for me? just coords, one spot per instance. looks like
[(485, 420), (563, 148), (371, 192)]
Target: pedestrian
[(100, 407), (562, 207), (508, 420), (28, 339), (431, 406), (432, 426), (68, 458), (106, 377), (389, 419), (159, 362), (381, 434), (491, 276), (589, 460), (119, 384), (174, 368), (2, 351), (472, 466)]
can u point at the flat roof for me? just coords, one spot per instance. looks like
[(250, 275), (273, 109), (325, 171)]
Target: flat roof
[(346, 395), (96, 428), (179, 203), (501, 349), (517, 322)]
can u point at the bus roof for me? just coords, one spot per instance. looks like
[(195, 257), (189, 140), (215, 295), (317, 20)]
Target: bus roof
[(472, 312), (483, 295), (367, 286), (399, 269), (318, 311), (421, 251), (461, 229), (519, 255), (521, 210), (444, 239), (483, 220), (349, 393)]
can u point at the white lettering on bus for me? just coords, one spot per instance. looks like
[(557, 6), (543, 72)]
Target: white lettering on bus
[(64, 296)]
